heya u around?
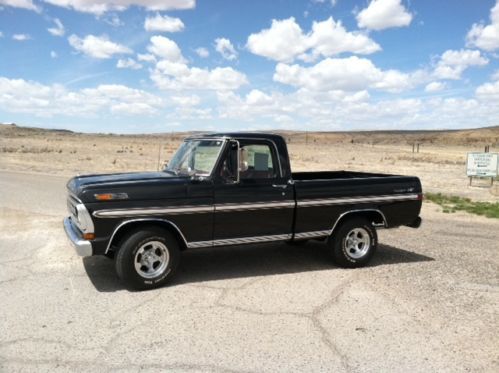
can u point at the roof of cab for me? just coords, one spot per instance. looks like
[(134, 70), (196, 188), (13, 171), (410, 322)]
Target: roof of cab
[(241, 135)]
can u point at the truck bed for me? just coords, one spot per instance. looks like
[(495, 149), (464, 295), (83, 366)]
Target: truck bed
[(322, 197), (334, 175)]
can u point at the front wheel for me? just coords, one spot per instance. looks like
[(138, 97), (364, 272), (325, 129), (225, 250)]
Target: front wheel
[(147, 258), (354, 243)]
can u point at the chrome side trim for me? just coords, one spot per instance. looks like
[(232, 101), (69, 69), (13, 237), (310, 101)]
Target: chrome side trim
[(352, 200), (122, 224), (312, 234), (241, 240), (254, 206), (113, 213), (198, 244), (385, 222)]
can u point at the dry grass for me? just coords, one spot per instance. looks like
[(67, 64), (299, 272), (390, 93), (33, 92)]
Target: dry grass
[(440, 163)]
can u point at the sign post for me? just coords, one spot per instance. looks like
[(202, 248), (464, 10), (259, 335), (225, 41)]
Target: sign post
[(482, 165)]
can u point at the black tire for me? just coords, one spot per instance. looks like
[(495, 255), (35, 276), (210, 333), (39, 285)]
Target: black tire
[(353, 243), (158, 247)]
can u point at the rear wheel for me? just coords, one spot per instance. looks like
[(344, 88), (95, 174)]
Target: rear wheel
[(354, 243), (147, 258)]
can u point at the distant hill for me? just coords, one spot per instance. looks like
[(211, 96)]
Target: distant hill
[(477, 136)]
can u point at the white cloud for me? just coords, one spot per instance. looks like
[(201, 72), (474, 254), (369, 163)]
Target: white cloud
[(257, 97), (453, 63), (24, 4), (329, 38), (191, 100), (134, 108), (128, 63), (99, 7), (165, 48), (225, 48), (202, 52), (163, 23), (434, 87), (58, 30), (178, 76), (383, 14), (258, 106), (349, 111), (21, 96), (285, 40), (489, 91), (146, 57), (97, 46), (332, 110), (345, 74), (173, 73), (485, 37), (21, 37), (1, 34), (53, 54)]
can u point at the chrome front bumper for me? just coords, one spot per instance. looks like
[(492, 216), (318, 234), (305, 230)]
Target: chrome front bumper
[(82, 247)]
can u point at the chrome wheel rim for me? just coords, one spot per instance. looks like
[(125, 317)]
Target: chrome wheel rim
[(151, 259), (357, 243)]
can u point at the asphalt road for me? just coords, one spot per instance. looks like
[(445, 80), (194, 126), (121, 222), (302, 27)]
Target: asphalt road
[(428, 302)]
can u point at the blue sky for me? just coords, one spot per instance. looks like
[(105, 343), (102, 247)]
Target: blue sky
[(129, 66)]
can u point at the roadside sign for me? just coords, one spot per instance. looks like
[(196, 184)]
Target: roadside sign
[(482, 164)]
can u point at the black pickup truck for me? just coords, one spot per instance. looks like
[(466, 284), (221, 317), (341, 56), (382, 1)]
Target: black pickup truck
[(231, 189)]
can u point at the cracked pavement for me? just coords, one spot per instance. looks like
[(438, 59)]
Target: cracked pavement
[(428, 302)]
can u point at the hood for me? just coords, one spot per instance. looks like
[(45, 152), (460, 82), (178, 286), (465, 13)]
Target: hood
[(137, 185)]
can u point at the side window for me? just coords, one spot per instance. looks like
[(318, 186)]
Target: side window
[(256, 161)]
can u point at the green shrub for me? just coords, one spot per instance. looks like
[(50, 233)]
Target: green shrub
[(454, 203)]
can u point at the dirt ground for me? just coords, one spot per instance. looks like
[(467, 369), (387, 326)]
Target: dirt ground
[(429, 302), (440, 162)]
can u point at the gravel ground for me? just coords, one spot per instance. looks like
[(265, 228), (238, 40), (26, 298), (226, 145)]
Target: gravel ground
[(428, 302)]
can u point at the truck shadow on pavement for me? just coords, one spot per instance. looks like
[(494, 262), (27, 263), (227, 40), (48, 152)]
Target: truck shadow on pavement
[(246, 261)]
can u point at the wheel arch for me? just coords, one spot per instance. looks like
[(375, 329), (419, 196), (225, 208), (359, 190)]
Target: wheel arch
[(375, 216), (126, 226)]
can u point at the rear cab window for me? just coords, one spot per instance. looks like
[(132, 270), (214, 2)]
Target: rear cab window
[(257, 160)]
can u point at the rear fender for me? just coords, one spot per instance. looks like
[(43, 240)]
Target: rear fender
[(375, 216)]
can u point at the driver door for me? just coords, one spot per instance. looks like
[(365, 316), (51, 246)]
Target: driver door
[(253, 202)]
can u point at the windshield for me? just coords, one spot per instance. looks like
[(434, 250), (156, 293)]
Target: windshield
[(195, 157)]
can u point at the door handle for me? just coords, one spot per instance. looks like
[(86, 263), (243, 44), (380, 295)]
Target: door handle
[(282, 186)]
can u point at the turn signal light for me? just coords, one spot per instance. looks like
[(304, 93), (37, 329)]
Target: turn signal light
[(88, 236), (104, 197), (110, 196)]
